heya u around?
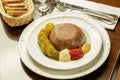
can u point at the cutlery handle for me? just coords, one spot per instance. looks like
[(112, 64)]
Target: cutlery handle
[(92, 12), (100, 14), (105, 17)]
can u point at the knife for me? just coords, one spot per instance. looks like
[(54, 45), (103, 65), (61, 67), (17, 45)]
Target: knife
[(108, 18)]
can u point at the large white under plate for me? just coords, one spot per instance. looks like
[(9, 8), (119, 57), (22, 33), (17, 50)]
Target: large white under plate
[(63, 74)]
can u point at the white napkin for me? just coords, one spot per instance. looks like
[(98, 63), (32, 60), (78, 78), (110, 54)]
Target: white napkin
[(95, 6)]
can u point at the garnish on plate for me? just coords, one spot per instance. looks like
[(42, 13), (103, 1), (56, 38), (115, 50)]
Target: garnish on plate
[(76, 53)]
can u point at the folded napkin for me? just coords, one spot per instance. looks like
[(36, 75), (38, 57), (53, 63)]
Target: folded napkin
[(95, 6)]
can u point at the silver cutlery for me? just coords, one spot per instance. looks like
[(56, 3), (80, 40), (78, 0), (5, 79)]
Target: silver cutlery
[(104, 17)]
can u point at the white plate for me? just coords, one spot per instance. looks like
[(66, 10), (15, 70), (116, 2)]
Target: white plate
[(92, 34), (61, 74)]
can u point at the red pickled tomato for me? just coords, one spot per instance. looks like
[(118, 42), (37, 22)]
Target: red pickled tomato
[(76, 53)]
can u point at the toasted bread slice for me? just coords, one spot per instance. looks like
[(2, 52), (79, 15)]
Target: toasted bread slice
[(12, 1), (16, 4), (14, 8), (15, 13), (7, 8)]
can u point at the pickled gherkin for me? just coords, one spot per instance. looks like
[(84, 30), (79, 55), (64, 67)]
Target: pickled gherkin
[(49, 27), (86, 47), (46, 46)]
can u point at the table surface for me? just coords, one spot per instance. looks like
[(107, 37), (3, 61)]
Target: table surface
[(12, 68)]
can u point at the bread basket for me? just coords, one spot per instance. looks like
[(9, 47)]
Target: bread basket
[(20, 20)]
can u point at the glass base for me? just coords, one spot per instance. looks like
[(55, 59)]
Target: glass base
[(43, 7)]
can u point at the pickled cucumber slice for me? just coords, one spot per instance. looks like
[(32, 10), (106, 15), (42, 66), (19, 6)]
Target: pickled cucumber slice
[(86, 47), (49, 27), (46, 46)]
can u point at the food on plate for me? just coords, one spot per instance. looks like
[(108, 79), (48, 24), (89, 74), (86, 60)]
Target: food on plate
[(48, 28), (76, 53), (86, 47), (46, 46), (63, 42), (67, 35), (16, 12), (64, 55)]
